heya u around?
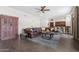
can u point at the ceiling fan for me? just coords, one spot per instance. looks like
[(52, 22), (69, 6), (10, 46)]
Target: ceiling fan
[(43, 9)]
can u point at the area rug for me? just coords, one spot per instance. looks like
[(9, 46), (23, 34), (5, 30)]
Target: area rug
[(53, 43)]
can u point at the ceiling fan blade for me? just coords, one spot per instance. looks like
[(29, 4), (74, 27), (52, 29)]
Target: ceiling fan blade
[(37, 9), (46, 9), (42, 8)]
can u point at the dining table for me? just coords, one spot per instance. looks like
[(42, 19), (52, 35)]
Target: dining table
[(44, 34)]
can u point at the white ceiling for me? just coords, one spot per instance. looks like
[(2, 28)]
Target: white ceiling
[(55, 11)]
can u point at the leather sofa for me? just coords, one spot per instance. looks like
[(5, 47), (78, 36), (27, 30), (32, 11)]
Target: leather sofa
[(33, 32)]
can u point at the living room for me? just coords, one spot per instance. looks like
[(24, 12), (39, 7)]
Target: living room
[(44, 26)]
